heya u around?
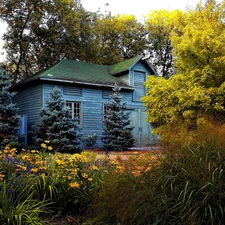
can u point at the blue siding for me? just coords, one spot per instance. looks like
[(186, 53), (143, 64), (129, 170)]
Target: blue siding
[(30, 102)]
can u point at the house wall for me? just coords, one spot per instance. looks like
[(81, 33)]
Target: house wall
[(30, 102)]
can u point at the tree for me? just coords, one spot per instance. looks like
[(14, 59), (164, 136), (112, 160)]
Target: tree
[(56, 127), (36, 27), (160, 24), (198, 88), (117, 129), (9, 119), (119, 37), (200, 46)]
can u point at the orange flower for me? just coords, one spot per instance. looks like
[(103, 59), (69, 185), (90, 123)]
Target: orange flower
[(74, 185), (34, 170)]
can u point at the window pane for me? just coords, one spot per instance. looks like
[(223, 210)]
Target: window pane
[(75, 110)]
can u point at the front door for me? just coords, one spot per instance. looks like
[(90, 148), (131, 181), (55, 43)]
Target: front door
[(142, 129)]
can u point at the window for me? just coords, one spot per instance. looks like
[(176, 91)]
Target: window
[(105, 109), (75, 110)]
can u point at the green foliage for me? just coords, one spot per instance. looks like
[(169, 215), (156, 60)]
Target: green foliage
[(118, 37), (9, 118), (90, 141), (197, 90), (36, 27), (117, 129), (162, 187), (19, 207), (68, 181), (160, 24), (57, 127)]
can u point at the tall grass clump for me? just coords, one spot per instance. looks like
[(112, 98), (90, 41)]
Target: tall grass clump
[(18, 205), (186, 187)]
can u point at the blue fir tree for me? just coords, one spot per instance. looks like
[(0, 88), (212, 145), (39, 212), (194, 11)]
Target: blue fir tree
[(117, 130), (56, 127), (9, 119)]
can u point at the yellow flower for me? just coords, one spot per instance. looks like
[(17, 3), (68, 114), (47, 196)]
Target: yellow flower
[(73, 172), (59, 162), (94, 168), (47, 141), (50, 148), (34, 151), (39, 162), (43, 145), (74, 185), (85, 175), (90, 179), (67, 177)]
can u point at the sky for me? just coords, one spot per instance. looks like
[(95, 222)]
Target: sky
[(138, 8)]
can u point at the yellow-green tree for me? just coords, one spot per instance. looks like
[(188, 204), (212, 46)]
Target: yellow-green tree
[(118, 37), (198, 88), (159, 25)]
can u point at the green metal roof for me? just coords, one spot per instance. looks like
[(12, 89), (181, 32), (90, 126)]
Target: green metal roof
[(124, 65), (72, 71)]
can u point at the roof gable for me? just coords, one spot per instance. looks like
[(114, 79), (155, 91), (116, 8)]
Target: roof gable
[(124, 65)]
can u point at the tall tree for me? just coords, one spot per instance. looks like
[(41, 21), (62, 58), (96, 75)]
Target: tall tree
[(159, 25), (198, 88), (200, 47), (9, 119), (57, 127), (119, 37), (117, 129), (40, 33)]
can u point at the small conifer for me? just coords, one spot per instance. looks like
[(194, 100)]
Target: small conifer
[(9, 119), (56, 127), (117, 130)]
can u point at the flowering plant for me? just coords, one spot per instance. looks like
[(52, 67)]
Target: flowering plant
[(91, 140)]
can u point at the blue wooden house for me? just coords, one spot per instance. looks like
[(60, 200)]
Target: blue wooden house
[(85, 88)]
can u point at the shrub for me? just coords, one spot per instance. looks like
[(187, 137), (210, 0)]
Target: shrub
[(207, 134)]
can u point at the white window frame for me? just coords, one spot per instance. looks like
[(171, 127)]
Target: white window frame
[(76, 110)]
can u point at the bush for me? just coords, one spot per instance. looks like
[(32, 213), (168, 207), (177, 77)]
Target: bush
[(207, 134)]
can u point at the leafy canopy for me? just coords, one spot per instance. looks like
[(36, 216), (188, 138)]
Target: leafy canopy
[(198, 87)]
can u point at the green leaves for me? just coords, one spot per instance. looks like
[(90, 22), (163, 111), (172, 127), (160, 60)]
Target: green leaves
[(197, 89)]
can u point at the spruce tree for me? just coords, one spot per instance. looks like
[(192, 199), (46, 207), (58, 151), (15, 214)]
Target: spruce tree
[(9, 119), (116, 134), (56, 127)]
